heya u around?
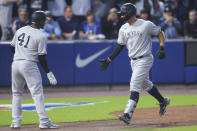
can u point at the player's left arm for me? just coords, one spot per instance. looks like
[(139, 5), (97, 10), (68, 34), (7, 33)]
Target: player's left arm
[(43, 63), (161, 52), (42, 52), (42, 59), (161, 38)]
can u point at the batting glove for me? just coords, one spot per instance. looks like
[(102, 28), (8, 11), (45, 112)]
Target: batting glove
[(51, 78), (104, 63), (161, 53)]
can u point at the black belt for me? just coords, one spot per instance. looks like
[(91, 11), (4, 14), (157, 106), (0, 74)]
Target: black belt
[(139, 57)]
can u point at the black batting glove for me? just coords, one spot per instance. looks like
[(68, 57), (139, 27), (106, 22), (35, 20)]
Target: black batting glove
[(104, 64), (161, 53)]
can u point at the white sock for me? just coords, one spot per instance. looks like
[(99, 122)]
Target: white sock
[(130, 107)]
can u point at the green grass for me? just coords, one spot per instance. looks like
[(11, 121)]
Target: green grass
[(99, 111), (185, 128)]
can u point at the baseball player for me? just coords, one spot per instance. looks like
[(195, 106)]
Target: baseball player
[(29, 46), (136, 35)]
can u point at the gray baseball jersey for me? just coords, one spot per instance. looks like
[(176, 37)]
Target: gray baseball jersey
[(29, 43), (137, 37)]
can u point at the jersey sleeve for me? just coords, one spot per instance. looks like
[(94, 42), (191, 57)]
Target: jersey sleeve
[(153, 29), (14, 40), (42, 46), (121, 38)]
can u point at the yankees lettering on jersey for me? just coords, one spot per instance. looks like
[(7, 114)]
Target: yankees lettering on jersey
[(29, 43), (137, 37), (133, 34)]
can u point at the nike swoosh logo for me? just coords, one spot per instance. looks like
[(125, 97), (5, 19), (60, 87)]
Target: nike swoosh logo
[(82, 63)]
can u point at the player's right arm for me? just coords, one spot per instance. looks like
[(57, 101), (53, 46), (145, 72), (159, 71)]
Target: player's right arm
[(115, 53), (12, 45), (42, 59), (156, 31)]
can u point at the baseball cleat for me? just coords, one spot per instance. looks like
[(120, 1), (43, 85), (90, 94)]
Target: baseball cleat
[(48, 126), (15, 126), (125, 118), (163, 106)]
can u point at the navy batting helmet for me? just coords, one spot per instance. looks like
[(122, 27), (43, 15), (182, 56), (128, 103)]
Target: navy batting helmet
[(127, 10), (38, 16)]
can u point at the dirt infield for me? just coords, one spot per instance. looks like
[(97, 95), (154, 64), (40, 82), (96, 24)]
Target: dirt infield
[(100, 90), (142, 119)]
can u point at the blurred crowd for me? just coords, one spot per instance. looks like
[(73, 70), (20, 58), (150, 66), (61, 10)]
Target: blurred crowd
[(97, 19)]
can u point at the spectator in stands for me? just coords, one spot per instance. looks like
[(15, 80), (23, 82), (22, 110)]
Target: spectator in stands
[(100, 8), (117, 3), (51, 28), (91, 29), (193, 4), (157, 10), (172, 4), (144, 14), (154, 8), (34, 5), (80, 8), (22, 19), (6, 16), (170, 24), (111, 24), (190, 26), (57, 8), (68, 24), (182, 7)]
